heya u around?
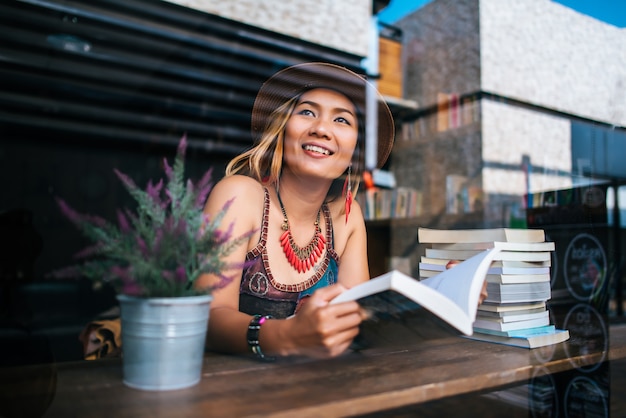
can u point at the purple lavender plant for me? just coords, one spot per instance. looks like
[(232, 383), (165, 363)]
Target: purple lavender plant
[(162, 248)]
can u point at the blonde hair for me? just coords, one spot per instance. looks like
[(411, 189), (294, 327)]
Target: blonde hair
[(264, 161)]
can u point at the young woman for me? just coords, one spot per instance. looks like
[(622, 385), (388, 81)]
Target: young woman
[(296, 189)]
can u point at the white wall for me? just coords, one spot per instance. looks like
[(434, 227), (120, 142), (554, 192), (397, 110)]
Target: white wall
[(547, 54), (510, 132), (339, 24)]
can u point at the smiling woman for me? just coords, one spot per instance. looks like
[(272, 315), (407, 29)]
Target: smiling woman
[(294, 187)]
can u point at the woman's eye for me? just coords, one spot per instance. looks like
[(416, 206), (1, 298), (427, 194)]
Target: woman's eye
[(343, 120), (306, 112)]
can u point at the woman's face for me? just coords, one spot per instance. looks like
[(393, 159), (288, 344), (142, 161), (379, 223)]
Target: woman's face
[(321, 134)]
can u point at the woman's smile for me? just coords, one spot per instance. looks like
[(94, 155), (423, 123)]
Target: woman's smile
[(316, 149)]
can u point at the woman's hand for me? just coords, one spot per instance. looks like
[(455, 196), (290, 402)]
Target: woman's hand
[(322, 330), (483, 291)]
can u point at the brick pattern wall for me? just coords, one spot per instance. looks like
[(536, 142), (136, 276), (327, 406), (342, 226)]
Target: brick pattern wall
[(441, 50), (441, 56), (343, 25)]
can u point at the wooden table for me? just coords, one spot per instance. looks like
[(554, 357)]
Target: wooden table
[(356, 383)]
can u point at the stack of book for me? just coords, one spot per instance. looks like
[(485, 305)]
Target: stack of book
[(518, 281)]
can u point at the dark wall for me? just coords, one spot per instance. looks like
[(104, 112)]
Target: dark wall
[(36, 172), (86, 87)]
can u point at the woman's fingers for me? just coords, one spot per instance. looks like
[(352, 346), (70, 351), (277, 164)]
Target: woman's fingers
[(325, 330), (483, 291)]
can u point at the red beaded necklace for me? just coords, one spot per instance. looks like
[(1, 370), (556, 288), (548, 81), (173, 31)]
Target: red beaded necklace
[(301, 258)]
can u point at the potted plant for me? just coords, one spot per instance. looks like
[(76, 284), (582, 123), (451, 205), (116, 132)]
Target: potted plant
[(153, 257)]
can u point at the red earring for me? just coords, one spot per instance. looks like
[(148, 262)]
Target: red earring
[(347, 191)]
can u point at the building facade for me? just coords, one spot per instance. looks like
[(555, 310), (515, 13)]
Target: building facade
[(342, 25), (500, 85)]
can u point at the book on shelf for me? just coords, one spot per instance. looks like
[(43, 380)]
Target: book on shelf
[(397, 203), (463, 195), (383, 199), (407, 203), (518, 281), (456, 189), (452, 295), (442, 112), (455, 114)]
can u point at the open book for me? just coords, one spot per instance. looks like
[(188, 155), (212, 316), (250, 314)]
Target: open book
[(451, 295)]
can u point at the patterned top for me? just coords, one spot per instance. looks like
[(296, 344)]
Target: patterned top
[(259, 293)]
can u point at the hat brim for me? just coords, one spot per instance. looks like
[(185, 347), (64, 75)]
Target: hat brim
[(294, 80)]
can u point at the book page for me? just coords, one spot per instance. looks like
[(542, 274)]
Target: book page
[(462, 283), (395, 293)]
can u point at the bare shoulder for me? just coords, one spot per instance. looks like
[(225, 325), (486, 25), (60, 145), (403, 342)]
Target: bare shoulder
[(344, 231), (244, 194), (238, 185)]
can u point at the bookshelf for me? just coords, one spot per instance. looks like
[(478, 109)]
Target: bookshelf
[(384, 203), (438, 154)]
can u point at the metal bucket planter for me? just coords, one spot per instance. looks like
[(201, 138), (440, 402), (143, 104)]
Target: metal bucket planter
[(163, 341)]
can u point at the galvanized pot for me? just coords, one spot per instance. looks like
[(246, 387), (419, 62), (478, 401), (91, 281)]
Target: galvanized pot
[(163, 341)]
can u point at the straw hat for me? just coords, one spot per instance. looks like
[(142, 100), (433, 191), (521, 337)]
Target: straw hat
[(294, 80)]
